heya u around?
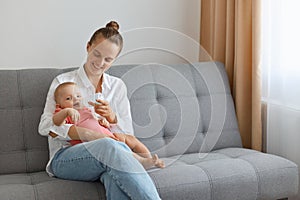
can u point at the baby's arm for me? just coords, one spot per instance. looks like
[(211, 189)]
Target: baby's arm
[(60, 117)]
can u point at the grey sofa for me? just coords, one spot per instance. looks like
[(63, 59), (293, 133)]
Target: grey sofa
[(183, 112)]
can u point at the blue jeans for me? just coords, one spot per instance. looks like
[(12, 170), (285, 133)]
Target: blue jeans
[(110, 161)]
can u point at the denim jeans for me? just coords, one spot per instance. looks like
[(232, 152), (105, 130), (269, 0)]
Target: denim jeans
[(110, 161)]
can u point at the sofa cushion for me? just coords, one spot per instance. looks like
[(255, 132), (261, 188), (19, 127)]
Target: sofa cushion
[(230, 173), (40, 186), (226, 174)]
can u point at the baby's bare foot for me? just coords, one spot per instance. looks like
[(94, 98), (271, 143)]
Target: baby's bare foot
[(158, 162), (151, 162)]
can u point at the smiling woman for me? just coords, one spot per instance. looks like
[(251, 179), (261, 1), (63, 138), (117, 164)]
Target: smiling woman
[(101, 55), (104, 46)]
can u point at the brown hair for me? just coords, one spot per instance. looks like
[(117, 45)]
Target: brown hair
[(59, 87), (109, 32)]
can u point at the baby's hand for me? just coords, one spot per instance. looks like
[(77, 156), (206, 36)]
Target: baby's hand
[(74, 114), (104, 122)]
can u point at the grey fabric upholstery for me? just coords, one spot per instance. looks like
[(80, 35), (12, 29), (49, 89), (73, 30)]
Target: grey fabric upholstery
[(183, 112)]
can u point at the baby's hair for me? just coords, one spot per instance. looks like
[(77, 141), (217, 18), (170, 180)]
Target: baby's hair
[(59, 87), (109, 32)]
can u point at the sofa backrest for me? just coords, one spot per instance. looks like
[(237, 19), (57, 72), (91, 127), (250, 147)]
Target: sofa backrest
[(22, 96), (184, 108)]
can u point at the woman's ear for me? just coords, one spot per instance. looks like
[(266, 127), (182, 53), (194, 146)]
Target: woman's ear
[(88, 46)]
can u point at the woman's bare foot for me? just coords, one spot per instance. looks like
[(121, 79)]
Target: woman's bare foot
[(151, 162)]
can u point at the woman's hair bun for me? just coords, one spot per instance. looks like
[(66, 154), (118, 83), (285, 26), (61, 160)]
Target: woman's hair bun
[(113, 24)]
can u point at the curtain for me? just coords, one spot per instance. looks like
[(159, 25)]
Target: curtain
[(230, 33)]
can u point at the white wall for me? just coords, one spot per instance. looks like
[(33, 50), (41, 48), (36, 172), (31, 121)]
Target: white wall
[(54, 33)]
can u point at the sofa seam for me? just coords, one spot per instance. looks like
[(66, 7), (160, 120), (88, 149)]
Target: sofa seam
[(157, 100), (196, 95), (34, 187), (184, 184), (255, 169), (241, 158), (31, 183), (19, 107), (257, 177), (209, 180), (160, 137), (161, 97), (233, 157), (20, 151), (275, 168), (23, 122)]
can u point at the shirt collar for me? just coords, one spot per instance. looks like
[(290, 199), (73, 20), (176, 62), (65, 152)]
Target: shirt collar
[(87, 82), (106, 81)]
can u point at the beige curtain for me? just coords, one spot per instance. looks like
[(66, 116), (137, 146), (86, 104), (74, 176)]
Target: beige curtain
[(230, 33)]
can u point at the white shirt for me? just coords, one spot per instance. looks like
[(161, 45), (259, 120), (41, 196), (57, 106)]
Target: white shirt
[(113, 90)]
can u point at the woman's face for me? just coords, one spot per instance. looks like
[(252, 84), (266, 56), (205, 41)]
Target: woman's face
[(101, 55)]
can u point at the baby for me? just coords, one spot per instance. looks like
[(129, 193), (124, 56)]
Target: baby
[(70, 110)]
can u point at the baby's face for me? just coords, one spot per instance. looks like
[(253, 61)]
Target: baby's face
[(70, 97)]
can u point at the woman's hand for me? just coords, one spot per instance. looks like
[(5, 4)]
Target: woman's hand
[(103, 108)]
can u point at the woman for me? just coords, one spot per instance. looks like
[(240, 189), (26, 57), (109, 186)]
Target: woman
[(100, 157)]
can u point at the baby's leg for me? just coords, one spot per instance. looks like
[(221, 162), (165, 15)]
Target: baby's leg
[(141, 152), (120, 136), (134, 144), (150, 162)]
